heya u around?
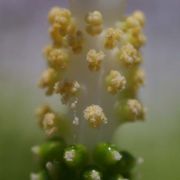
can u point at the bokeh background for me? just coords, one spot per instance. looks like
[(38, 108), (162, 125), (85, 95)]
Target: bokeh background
[(23, 33)]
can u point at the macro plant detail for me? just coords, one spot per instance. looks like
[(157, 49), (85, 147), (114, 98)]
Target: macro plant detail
[(94, 68)]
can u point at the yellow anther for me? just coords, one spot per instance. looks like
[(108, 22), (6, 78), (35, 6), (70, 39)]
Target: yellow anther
[(112, 36), (41, 111), (128, 55), (131, 22), (131, 110), (57, 58), (49, 123), (72, 29), (48, 79), (60, 16), (137, 40), (76, 41), (61, 21), (55, 34), (139, 78), (135, 109), (115, 82), (94, 22), (67, 90), (95, 116), (94, 59), (139, 15), (94, 18)]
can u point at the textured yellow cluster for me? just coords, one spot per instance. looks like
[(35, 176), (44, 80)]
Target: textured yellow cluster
[(67, 90), (57, 57), (128, 55), (95, 116), (133, 27), (94, 23), (112, 37), (119, 44), (47, 119), (115, 82), (94, 59), (61, 24), (131, 110)]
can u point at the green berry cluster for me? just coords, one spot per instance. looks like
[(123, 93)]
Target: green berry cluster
[(58, 161)]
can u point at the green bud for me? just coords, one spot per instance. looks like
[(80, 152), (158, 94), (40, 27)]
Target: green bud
[(106, 154), (75, 155), (39, 176), (49, 151), (126, 164), (92, 174), (116, 177)]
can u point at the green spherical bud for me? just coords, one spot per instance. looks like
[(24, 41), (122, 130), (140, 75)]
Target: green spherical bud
[(92, 174), (126, 164), (39, 176), (116, 177), (106, 154), (49, 151), (75, 156)]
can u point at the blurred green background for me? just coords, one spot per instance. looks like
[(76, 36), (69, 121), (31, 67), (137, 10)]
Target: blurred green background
[(23, 34)]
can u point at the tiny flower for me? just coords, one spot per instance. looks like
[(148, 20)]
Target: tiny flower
[(76, 41), (92, 174), (131, 110), (115, 82), (94, 59), (112, 36), (67, 90), (94, 21), (59, 15), (41, 112), (139, 15), (94, 18), (57, 57), (139, 78), (95, 116), (55, 34), (106, 154), (128, 55), (49, 123), (49, 151), (75, 156), (48, 80), (42, 175)]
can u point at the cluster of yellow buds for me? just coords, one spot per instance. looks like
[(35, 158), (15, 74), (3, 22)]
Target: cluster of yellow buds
[(94, 59), (112, 37), (94, 114), (133, 27), (94, 23), (95, 100), (115, 82)]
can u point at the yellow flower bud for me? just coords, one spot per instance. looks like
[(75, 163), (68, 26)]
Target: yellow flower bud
[(112, 36), (128, 55), (95, 116), (115, 82), (94, 59)]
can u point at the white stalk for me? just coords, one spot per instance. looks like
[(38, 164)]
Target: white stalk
[(93, 82)]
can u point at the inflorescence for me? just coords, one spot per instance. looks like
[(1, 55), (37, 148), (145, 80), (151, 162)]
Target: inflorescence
[(83, 62)]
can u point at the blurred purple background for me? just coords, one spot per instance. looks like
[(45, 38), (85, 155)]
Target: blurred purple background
[(23, 33)]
